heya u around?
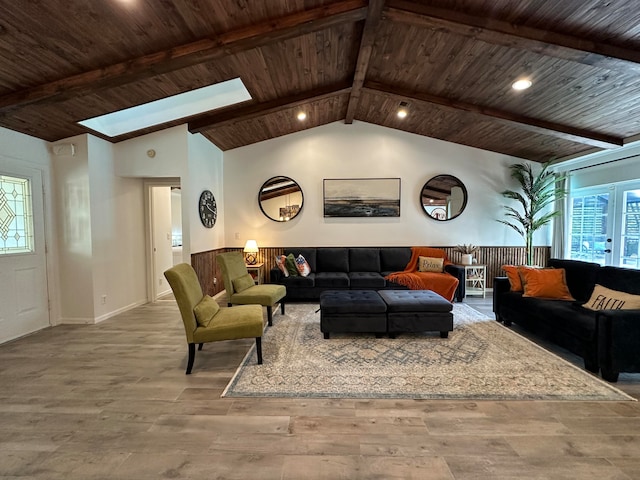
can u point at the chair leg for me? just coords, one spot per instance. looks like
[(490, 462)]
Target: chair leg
[(229, 304), (200, 346), (270, 315), (192, 356), (259, 349), (282, 307)]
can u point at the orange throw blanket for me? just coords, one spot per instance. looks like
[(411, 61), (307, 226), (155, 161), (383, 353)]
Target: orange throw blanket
[(443, 283)]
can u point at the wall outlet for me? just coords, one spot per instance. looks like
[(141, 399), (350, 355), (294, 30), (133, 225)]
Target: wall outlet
[(215, 281), (104, 299), (237, 235)]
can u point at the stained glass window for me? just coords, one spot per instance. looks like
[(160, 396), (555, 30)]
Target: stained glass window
[(16, 215)]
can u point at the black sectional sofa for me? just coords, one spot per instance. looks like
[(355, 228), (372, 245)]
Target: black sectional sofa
[(355, 268), (607, 340)]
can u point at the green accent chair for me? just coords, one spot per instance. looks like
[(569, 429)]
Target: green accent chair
[(241, 288), (204, 320)]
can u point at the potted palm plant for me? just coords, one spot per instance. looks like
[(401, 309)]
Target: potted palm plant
[(537, 192)]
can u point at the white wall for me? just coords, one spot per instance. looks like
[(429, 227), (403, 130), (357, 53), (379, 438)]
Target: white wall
[(363, 150), (196, 162), (117, 234), (101, 243), (133, 158), (73, 218), (205, 172)]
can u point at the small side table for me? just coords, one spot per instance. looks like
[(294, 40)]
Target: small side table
[(256, 271), (476, 280)]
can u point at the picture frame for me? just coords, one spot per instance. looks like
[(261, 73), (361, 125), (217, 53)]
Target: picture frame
[(361, 197)]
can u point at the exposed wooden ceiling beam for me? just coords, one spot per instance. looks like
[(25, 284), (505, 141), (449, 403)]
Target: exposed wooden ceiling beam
[(531, 124), (510, 35), (235, 115), (374, 15), (228, 43)]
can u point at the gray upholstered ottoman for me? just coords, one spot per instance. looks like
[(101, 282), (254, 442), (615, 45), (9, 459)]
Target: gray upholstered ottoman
[(417, 311), (344, 311)]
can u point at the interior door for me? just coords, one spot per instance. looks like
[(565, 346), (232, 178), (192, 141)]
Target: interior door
[(24, 300)]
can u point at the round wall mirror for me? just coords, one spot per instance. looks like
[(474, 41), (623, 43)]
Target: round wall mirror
[(280, 199), (443, 197)]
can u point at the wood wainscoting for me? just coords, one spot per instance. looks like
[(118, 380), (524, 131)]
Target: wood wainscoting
[(205, 265), (495, 257)]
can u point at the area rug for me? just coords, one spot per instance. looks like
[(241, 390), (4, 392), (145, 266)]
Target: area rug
[(481, 359)]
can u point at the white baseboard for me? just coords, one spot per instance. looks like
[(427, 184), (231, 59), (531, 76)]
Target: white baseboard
[(101, 318)]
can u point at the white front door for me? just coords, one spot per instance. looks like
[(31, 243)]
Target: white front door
[(24, 300)]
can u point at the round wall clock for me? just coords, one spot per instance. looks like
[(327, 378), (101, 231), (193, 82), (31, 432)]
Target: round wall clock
[(207, 209)]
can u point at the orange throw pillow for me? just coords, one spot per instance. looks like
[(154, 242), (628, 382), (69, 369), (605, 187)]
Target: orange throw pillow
[(514, 277), (545, 283)]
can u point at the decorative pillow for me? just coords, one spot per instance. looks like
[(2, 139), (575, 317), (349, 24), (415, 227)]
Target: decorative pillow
[(513, 274), (604, 298), (430, 264), (205, 310), (280, 262), (303, 267), (242, 283), (290, 263), (545, 283)]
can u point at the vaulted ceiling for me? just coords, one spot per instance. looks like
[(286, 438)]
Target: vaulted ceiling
[(451, 61)]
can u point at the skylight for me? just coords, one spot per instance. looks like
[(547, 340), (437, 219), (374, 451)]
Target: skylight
[(171, 108)]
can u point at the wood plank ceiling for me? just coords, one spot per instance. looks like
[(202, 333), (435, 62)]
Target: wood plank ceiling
[(451, 61)]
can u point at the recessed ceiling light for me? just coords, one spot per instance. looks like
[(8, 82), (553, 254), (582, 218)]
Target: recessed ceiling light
[(402, 110), (302, 116), (521, 84)]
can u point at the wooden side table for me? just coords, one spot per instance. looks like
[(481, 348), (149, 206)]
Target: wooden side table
[(257, 272), (476, 280)]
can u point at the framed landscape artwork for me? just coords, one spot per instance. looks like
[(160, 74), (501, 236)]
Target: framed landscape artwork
[(361, 197)]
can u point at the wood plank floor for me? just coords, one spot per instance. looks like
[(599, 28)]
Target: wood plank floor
[(111, 401)]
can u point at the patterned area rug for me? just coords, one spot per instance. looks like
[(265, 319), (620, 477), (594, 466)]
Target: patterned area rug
[(481, 359)]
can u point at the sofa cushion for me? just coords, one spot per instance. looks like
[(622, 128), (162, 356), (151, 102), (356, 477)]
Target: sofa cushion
[(300, 281), (243, 282), (364, 260), (205, 310), (309, 254), (303, 266), (281, 264), (513, 274), (331, 259), (604, 298), (366, 280), (430, 264), (332, 279), (543, 315), (394, 259), (545, 283), (622, 279), (290, 264), (581, 276)]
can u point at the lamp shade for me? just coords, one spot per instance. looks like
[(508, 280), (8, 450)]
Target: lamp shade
[(251, 246), (251, 252)]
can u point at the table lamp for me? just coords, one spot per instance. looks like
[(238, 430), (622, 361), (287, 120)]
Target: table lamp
[(251, 252)]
